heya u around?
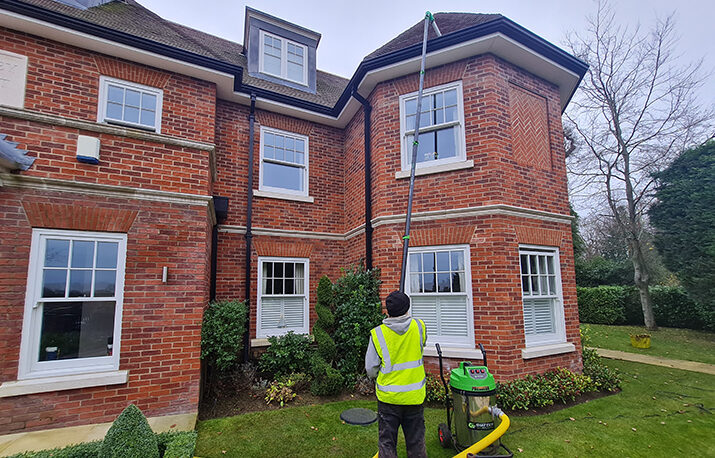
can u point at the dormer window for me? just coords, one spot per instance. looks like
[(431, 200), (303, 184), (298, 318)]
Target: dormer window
[(283, 58)]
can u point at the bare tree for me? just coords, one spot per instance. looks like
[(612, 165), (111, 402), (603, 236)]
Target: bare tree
[(637, 108)]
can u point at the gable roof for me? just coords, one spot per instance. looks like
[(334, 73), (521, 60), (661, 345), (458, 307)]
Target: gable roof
[(128, 29), (447, 23)]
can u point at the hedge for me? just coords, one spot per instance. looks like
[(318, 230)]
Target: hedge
[(672, 307)]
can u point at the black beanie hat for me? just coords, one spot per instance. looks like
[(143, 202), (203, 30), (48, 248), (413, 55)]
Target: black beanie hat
[(397, 303)]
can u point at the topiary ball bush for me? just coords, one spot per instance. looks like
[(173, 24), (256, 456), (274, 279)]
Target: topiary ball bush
[(130, 437)]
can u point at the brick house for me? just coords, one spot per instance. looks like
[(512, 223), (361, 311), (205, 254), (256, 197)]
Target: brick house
[(132, 190)]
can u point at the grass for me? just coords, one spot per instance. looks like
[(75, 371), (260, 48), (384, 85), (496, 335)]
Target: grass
[(660, 412), (672, 343)]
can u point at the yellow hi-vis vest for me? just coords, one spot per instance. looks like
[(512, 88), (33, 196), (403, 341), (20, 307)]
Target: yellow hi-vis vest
[(401, 379)]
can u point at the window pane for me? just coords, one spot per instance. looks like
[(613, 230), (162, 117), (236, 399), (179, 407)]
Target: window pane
[(450, 114), (268, 152), (438, 100), (271, 64), (443, 282), (267, 269), (411, 108), (295, 71), (289, 156), (535, 284), (53, 282), (428, 262), (115, 94), (443, 261), (82, 254), (278, 286), (543, 285), (57, 253), (550, 264), (524, 264), (131, 114), (267, 286), (278, 269), (552, 284), (429, 283), (458, 282), (269, 139), (289, 286), (283, 176), (532, 264), (525, 285), (149, 102), (147, 118), (415, 263), (457, 260), (542, 265), (76, 330), (299, 145), (299, 270), (439, 116), (104, 283), (416, 283), (132, 98), (289, 270), (446, 143), (114, 111), (80, 283), (107, 255), (300, 285), (450, 97)]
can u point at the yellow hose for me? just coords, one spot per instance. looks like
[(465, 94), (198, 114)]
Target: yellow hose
[(489, 438)]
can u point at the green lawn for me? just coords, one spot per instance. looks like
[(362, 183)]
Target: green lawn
[(665, 342), (670, 410)]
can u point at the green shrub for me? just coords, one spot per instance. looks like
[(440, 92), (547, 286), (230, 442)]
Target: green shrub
[(130, 436), (543, 390), (177, 444), (327, 381), (222, 333), (88, 449), (673, 308), (435, 389), (357, 311), (287, 354), (602, 377), (280, 391), (300, 380), (325, 324), (601, 305)]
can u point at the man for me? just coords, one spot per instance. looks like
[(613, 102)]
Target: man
[(394, 356)]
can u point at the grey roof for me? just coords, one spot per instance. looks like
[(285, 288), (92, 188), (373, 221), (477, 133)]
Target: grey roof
[(13, 158), (130, 17), (446, 22)]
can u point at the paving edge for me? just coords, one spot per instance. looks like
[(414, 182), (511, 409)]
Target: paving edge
[(692, 366)]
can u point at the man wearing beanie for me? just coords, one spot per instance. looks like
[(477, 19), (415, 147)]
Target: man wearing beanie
[(394, 357)]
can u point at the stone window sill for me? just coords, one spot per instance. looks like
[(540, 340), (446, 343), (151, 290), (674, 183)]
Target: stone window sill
[(454, 352), (59, 383), (279, 195), (547, 350), (436, 169)]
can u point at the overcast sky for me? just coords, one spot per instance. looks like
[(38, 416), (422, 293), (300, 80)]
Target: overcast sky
[(351, 30)]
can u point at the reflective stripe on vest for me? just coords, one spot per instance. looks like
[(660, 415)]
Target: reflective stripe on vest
[(401, 379)]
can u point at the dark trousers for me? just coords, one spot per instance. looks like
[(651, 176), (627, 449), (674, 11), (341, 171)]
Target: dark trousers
[(412, 419)]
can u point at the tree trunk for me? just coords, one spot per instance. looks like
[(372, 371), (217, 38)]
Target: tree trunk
[(642, 281)]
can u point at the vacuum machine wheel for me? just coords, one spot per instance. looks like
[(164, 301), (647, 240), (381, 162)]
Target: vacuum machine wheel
[(445, 436)]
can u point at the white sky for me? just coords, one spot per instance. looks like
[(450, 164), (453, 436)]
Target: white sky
[(351, 30)]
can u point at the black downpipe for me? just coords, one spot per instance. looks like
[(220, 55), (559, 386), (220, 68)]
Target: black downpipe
[(249, 234), (367, 109)]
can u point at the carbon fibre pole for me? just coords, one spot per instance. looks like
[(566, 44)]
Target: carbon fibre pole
[(429, 19)]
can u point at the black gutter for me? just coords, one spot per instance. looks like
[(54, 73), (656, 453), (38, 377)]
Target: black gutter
[(249, 233), (367, 109), (59, 19)]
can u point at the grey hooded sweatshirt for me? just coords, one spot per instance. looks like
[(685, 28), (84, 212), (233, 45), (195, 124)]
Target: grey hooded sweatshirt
[(399, 324)]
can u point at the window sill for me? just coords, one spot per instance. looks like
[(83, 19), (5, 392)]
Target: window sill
[(547, 350), (65, 382), (263, 341), (279, 195), (436, 169), (453, 352)]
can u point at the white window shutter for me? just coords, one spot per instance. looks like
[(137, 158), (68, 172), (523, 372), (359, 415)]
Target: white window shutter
[(453, 316), (293, 312), (270, 312)]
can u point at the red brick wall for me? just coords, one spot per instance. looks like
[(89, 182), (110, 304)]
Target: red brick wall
[(160, 342), (64, 80)]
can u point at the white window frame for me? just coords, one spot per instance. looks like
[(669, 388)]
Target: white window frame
[(29, 367), (267, 332), (105, 81), (432, 337), (406, 147), (306, 167), (284, 57), (559, 335)]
